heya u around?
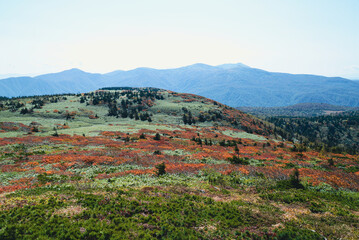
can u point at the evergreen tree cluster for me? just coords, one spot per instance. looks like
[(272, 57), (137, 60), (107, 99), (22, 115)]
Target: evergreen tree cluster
[(209, 116), (127, 103), (14, 104), (199, 141), (331, 133), (188, 118), (229, 143)]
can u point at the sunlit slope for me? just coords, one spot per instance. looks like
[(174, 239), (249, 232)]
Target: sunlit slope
[(91, 113)]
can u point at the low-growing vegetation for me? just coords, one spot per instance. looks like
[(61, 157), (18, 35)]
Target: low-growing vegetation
[(224, 175)]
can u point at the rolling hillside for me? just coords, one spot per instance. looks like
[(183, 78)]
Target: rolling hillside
[(232, 84), (148, 163)]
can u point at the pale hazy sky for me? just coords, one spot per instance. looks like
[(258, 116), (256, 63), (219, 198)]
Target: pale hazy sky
[(295, 36)]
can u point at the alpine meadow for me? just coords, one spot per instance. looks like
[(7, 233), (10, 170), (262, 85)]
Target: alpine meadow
[(135, 120)]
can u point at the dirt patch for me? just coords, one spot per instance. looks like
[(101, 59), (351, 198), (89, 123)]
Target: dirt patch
[(69, 211), (207, 228), (291, 211)]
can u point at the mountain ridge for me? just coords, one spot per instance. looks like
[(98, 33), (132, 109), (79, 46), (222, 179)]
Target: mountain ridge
[(232, 84)]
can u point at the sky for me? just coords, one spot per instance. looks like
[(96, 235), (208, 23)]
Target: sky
[(294, 36)]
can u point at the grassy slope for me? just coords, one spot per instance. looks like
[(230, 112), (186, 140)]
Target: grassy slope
[(166, 113), (104, 185)]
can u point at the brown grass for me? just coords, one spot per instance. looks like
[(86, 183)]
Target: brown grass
[(292, 212), (70, 211)]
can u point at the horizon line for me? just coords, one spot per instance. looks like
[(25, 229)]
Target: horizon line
[(33, 75)]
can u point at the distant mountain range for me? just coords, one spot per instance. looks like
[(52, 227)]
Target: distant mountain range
[(231, 84)]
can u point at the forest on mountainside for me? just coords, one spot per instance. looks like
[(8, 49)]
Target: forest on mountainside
[(335, 133), (297, 110)]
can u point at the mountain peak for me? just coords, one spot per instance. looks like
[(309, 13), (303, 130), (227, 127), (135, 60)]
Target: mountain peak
[(232, 65), (73, 70), (199, 66)]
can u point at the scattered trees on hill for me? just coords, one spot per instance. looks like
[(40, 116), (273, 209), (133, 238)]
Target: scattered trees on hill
[(125, 104), (333, 133)]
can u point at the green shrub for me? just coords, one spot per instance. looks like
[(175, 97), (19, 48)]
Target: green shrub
[(157, 137), (239, 160), (317, 207), (293, 182), (331, 162), (161, 169), (289, 165), (157, 152)]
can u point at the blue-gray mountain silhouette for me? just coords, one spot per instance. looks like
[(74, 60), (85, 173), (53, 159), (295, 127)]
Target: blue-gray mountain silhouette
[(231, 84)]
